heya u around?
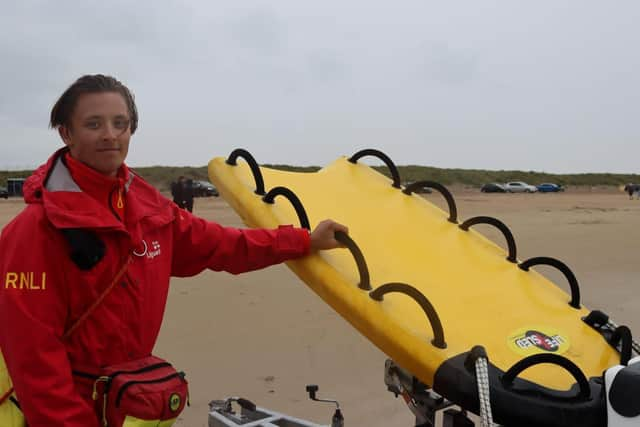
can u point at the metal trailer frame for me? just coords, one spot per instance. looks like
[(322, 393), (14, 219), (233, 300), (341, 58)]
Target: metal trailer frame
[(222, 414), (423, 402)]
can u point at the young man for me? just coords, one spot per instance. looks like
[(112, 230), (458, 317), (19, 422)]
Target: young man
[(89, 218)]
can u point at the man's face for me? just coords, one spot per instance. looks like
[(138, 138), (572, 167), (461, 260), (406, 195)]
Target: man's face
[(99, 132)]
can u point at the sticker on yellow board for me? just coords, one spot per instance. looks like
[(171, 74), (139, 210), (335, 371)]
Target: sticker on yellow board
[(538, 339)]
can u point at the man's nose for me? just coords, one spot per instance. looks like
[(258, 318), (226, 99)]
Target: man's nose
[(109, 132)]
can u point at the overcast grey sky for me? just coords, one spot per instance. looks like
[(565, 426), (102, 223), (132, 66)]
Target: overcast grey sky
[(548, 86)]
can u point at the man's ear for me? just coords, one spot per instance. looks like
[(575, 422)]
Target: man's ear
[(65, 135)]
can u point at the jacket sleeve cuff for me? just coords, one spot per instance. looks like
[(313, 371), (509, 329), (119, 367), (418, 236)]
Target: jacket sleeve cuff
[(293, 242), (306, 240)]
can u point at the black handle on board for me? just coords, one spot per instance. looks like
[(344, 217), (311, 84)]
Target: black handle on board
[(573, 282), (453, 210), (438, 333), (379, 154), (343, 238), (555, 359), (295, 201), (255, 169), (511, 242)]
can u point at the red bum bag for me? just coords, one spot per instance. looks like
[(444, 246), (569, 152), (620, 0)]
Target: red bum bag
[(141, 392), (138, 393)]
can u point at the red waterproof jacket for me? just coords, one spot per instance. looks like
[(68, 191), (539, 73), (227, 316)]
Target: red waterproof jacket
[(43, 292)]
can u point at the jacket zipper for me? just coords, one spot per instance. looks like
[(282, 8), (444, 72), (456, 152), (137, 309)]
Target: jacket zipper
[(112, 376), (126, 385), (120, 203), (85, 375), (113, 211), (141, 370)]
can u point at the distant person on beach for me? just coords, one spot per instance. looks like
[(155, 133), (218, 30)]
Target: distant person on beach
[(182, 193), (188, 195), (177, 190), (85, 269), (632, 189)]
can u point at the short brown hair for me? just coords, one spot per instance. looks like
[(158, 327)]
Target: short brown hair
[(63, 108)]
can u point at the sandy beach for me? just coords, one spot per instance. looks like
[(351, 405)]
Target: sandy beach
[(264, 335)]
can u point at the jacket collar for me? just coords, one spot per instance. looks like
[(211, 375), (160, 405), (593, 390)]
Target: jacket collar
[(67, 206)]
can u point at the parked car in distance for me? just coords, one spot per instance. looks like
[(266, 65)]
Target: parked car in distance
[(519, 187), (4, 194), (204, 189), (493, 187), (548, 187)]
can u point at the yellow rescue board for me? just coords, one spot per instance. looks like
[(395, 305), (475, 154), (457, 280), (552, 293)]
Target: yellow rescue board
[(479, 296)]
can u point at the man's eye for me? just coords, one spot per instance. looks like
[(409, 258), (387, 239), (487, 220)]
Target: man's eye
[(92, 125), (121, 124)]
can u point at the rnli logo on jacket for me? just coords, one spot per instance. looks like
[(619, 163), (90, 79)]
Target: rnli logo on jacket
[(154, 250), (26, 280), (528, 341)]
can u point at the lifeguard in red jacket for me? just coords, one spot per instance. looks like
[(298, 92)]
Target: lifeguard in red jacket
[(87, 214)]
